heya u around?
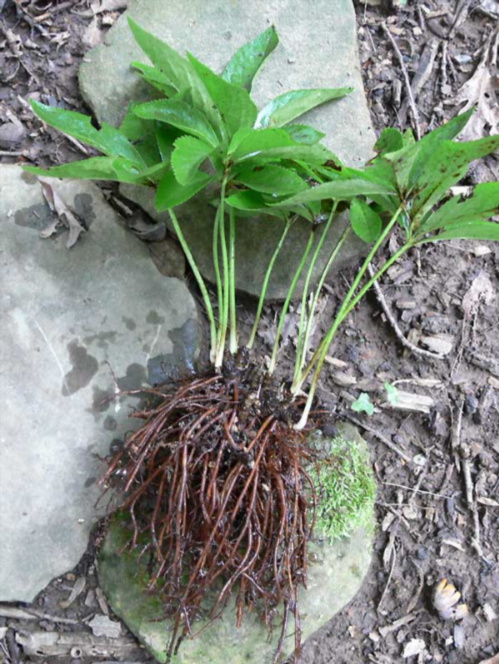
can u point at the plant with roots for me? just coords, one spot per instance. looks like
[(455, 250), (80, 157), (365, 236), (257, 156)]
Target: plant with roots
[(221, 480)]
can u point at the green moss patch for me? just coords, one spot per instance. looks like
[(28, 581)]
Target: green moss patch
[(345, 487)]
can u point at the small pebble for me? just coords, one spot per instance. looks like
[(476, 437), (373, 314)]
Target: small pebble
[(421, 553), (11, 134)]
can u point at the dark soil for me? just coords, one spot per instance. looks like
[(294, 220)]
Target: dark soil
[(427, 528)]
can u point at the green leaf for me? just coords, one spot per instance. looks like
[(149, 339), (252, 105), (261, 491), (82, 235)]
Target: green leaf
[(390, 140), (234, 103), (251, 201), (482, 204), (471, 230), (94, 168), (392, 393), (444, 168), (148, 150), (246, 61), (251, 142), (177, 70), (129, 173), (170, 193), (303, 134), (411, 161), (363, 404), (156, 78), (166, 135), (338, 190), (133, 127), (107, 139), (180, 115), (271, 179), (312, 154), (115, 169), (187, 157), (366, 223), (290, 105)]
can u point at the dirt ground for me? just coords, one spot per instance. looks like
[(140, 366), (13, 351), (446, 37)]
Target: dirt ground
[(437, 471)]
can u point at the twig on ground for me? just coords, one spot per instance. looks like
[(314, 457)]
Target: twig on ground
[(456, 433), (470, 490), (410, 96), (380, 437), (391, 543), (462, 11), (405, 620), (398, 333), (32, 614)]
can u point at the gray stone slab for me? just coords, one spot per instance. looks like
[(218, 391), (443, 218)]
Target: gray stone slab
[(71, 319), (318, 48), (335, 573)]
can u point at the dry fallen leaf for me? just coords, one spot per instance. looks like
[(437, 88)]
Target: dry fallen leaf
[(63, 213), (480, 91), (91, 36), (492, 660), (445, 601), (112, 5), (481, 290), (414, 647), (439, 343)]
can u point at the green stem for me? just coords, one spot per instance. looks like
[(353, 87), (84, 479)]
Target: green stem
[(232, 281), (348, 303), (313, 306), (375, 277), (216, 265), (200, 282), (223, 316), (273, 359), (287, 226), (348, 297), (301, 330)]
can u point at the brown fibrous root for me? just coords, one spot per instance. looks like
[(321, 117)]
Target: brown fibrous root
[(220, 501)]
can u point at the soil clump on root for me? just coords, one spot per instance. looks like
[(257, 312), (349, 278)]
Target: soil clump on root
[(219, 490)]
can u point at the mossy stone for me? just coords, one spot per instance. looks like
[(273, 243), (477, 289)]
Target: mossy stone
[(335, 574)]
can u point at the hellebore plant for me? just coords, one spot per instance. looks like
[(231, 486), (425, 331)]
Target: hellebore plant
[(220, 477)]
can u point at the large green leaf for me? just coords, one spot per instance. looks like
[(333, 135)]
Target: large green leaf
[(129, 173), (253, 141), (271, 179), (170, 193), (156, 78), (95, 168), (177, 70), (245, 63), (187, 157), (444, 168), (311, 154), (252, 203), (133, 127), (166, 135), (366, 223), (148, 150), (337, 190), (107, 139), (234, 103), (180, 115), (390, 140), (290, 105), (304, 134), (472, 230), (116, 169), (410, 162), (482, 204)]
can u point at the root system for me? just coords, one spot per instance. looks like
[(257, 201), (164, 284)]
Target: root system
[(216, 480)]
